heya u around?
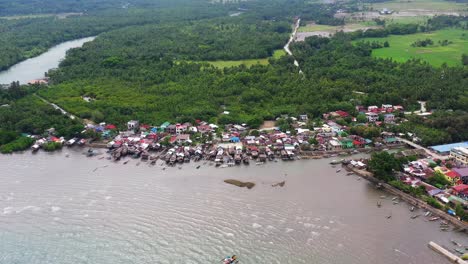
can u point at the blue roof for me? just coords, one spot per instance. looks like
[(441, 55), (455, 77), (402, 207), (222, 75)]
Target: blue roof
[(448, 147)]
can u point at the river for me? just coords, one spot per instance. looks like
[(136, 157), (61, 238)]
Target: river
[(35, 68), (69, 210)]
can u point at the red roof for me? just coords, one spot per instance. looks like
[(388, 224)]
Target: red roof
[(173, 139), (342, 113), (452, 174), (460, 188), (110, 127), (355, 142)]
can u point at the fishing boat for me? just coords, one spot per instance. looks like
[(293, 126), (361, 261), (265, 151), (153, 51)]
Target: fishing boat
[(349, 173), (415, 216), (90, 153), (198, 167), (459, 251), (412, 208), (35, 147), (379, 204), (71, 142), (389, 216), (455, 243), (230, 260), (427, 213), (383, 197), (394, 198), (338, 170), (259, 163), (444, 229), (434, 218)]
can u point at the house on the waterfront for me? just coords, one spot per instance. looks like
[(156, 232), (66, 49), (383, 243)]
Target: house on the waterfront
[(334, 144)]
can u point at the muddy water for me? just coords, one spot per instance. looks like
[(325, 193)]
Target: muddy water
[(35, 68), (55, 209)]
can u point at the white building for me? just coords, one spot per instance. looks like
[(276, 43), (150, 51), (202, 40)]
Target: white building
[(460, 154)]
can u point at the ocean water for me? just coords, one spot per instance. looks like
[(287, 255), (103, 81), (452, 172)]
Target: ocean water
[(59, 209)]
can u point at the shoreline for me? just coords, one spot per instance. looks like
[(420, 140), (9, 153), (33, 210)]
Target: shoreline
[(459, 226)]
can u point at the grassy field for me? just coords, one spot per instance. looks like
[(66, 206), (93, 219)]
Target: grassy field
[(316, 27), (435, 5), (400, 47), (226, 64)]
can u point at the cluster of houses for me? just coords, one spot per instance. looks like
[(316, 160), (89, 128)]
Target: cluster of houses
[(417, 173)]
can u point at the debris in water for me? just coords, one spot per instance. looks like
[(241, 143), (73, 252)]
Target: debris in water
[(237, 183), (280, 184)]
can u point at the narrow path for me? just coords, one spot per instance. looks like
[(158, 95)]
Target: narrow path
[(56, 107), (291, 39), (414, 145)]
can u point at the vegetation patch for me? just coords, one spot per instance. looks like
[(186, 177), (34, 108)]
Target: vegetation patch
[(445, 46), (248, 185)]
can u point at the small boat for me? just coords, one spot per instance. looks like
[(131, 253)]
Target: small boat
[(349, 173), (455, 243), (412, 208), (394, 198), (198, 167), (427, 213), (415, 216), (444, 223), (35, 147), (444, 229), (230, 260), (434, 218), (396, 202), (379, 204), (389, 216), (259, 163), (459, 251), (90, 153), (125, 162), (383, 197), (338, 170)]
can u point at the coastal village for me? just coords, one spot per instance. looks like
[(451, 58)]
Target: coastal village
[(295, 138)]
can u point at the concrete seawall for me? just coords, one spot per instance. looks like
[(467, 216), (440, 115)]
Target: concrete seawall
[(446, 253), (459, 225)]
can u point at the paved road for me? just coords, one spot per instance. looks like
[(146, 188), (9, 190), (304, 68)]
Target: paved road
[(291, 39), (414, 145)]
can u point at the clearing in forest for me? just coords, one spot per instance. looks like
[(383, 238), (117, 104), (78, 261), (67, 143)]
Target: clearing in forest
[(401, 48)]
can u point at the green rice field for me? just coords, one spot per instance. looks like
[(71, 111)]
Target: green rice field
[(401, 50), (433, 5), (226, 64)]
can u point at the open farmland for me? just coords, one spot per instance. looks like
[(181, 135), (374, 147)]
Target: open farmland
[(226, 64), (401, 50), (421, 5)]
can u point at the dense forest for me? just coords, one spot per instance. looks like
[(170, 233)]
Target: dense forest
[(157, 70), (29, 37)]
